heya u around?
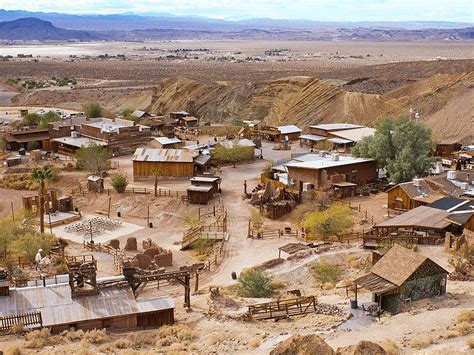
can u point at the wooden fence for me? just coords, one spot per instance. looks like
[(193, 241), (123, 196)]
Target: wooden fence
[(19, 261), (359, 208), (272, 234), (26, 320), (101, 248), (82, 191), (283, 308), (374, 241)]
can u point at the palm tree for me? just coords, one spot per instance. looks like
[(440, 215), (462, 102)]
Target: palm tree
[(42, 175), (156, 173)]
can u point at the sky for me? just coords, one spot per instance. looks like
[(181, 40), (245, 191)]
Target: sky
[(327, 10)]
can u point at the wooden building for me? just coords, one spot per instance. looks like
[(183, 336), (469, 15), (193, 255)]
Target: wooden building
[(402, 276), (188, 122), (324, 129), (412, 194), (323, 171), (178, 115), (141, 115), (176, 163), (167, 142), (200, 194), (121, 137), (95, 183), (113, 308), (213, 181), (288, 133), (446, 149), (16, 140)]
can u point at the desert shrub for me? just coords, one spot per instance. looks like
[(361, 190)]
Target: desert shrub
[(331, 221), (277, 284), (37, 339), (465, 316), (119, 182), (254, 283), (450, 334), (390, 347), (202, 246), (136, 341), (325, 271), (94, 158), (469, 343), (254, 343), (460, 264), (232, 154), (93, 110), (359, 263), (463, 328), (31, 119), (12, 350), (21, 181), (175, 334), (61, 269), (28, 244), (17, 328), (96, 336), (190, 219), (421, 342)]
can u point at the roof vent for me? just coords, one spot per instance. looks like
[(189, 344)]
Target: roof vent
[(335, 157), (451, 175)]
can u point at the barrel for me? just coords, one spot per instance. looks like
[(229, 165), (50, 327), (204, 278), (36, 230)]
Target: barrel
[(353, 303)]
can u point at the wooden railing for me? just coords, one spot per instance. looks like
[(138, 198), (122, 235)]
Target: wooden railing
[(283, 308), (83, 191), (372, 240), (25, 320), (19, 261), (272, 234), (101, 248)]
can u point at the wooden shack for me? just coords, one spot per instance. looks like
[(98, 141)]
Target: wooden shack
[(212, 181), (402, 276), (20, 139), (281, 133), (95, 183), (167, 142), (412, 194), (177, 163), (200, 194)]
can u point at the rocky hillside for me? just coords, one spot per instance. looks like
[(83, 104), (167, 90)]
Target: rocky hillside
[(444, 102)]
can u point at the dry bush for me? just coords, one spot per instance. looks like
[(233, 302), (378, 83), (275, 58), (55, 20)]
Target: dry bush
[(73, 335), (254, 343), (216, 339), (109, 348), (465, 316), (421, 342), (173, 334), (390, 347), (37, 339), (17, 328), (96, 336), (451, 334), (328, 286), (470, 342), (84, 351), (12, 350), (463, 328), (21, 181), (136, 341), (277, 284)]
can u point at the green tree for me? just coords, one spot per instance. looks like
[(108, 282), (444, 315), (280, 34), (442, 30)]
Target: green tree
[(232, 154), (401, 146), (156, 173), (119, 182), (42, 176), (93, 158), (254, 283), (48, 117), (31, 119), (326, 271), (331, 221), (27, 245), (93, 110), (127, 114)]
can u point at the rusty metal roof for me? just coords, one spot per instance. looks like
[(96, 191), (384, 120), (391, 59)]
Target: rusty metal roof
[(163, 155), (58, 307)]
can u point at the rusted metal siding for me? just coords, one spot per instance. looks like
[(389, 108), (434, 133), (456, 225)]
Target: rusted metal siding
[(142, 170)]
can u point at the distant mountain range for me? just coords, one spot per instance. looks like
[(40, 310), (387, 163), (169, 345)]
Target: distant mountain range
[(113, 28)]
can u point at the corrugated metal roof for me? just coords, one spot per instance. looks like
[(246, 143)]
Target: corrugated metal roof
[(354, 135), (339, 140), (317, 162), (205, 188), (163, 155), (420, 217), (166, 140), (240, 143), (312, 137), (288, 129), (335, 126), (202, 159), (204, 179), (79, 142), (58, 307)]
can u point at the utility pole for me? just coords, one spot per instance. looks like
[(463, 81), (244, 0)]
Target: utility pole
[(108, 210), (13, 212)]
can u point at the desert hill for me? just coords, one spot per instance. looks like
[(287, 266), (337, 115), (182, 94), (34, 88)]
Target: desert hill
[(305, 101), (33, 29)]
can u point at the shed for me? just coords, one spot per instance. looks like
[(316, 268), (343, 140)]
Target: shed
[(412, 194), (95, 183), (114, 308), (141, 114), (401, 276), (323, 129), (167, 143), (200, 194), (188, 121), (213, 181), (170, 162)]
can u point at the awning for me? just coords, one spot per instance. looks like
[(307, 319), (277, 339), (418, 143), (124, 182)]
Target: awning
[(375, 283)]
